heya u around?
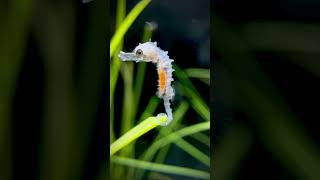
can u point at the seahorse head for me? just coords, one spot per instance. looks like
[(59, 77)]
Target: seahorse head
[(147, 52)]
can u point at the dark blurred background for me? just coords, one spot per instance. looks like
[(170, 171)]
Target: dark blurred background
[(53, 75), (266, 89)]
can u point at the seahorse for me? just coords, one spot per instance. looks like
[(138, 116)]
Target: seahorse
[(149, 52)]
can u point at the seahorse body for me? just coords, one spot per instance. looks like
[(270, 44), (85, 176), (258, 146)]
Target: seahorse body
[(149, 52)]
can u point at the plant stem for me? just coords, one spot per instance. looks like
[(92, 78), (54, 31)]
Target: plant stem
[(175, 136), (161, 167), (196, 101), (136, 132), (116, 38)]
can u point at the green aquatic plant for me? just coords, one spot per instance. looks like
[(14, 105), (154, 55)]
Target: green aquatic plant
[(161, 167), (136, 132)]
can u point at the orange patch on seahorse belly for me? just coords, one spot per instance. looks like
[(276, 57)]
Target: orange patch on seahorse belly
[(162, 81)]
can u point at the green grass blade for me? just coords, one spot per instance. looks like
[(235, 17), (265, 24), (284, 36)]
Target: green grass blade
[(197, 155), (197, 136), (128, 100), (202, 75), (121, 12), (201, 137), (193, 151), (204, 139), (206, 81), (234, 148), (148, 29), (161, 167), (15, 23), (177, 116), (136, 132), (197, 103), (161, 156), (127, 121), (174, 137), (112, 134), (198, 73), (147, 33), (139, 81), (156, 175), (115, 65), (183, 78), (118, 36), (151, 107)]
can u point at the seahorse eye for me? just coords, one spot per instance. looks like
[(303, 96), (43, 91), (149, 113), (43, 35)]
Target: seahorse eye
[(139, 52)]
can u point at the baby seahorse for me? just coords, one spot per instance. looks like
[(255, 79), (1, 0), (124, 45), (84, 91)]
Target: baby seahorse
[(149, 52)]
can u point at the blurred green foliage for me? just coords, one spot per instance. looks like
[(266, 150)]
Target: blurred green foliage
[(257, 97), (70, 103)]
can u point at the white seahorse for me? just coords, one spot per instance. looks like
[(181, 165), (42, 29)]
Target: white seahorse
[(149, 52)]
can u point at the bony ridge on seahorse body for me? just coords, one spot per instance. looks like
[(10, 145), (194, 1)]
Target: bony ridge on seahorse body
[(149, 52)]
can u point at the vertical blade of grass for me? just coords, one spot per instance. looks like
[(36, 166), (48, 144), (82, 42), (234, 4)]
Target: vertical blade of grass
[(112, 135), (15, 22), (92, 72), (115, 46), (147, 33), (61, 157), (198, 104), (134, 13), (127, 121), (148, 29), (160, 158), (128, 100), (204, 139), (151, 107), (114, 73), (121, 12), (229, 155), (115, 64)]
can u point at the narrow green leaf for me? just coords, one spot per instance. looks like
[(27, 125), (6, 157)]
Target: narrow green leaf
[(161, 167), (136, 132), (147, 33), (134, 13), (175, 136), (151, 107), (198, 73), (197, 103)]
